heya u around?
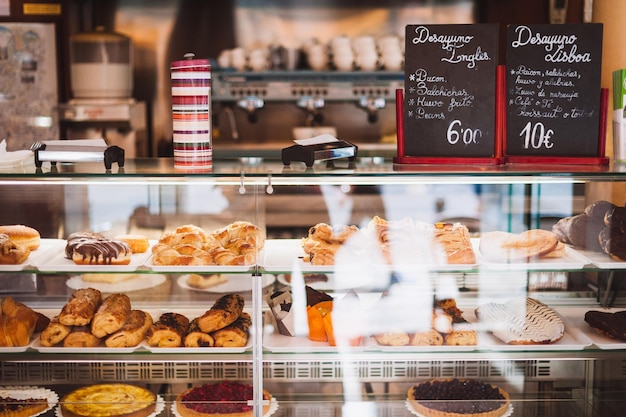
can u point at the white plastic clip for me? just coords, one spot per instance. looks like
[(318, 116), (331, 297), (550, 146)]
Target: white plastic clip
[(242, 187), (269, 189)]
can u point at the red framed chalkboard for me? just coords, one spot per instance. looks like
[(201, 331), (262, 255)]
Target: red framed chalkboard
[(555, 109), (448, 112)]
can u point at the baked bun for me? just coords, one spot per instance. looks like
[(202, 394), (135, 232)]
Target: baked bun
[(21, 235), (137, 243), (10, 252)]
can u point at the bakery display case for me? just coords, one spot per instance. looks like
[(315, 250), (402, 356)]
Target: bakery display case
[(363, 285)]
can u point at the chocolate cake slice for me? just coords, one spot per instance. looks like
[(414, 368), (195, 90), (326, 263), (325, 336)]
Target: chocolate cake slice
[(610, 324)]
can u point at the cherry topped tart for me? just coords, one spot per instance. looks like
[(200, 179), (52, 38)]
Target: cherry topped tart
[(225, 398), (458, 398), (13, 407)]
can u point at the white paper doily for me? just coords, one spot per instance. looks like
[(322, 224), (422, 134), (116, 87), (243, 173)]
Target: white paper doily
[(160, 406), (141, 282), (272, 410), (507, 413), (26, 392)]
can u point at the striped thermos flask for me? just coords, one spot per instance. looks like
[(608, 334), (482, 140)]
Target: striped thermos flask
[(191, 114)]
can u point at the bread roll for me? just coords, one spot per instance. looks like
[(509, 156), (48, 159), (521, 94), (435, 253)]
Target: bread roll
[(23, 236), (54, 333), (10, 252), (81, 336), (81, 307), (111, 315), (426, 338), (461, 338), (392, 338)]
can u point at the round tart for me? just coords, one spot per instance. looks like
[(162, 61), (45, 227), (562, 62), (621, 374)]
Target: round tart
[(25, 401), (458, 398), (224, 399), (109, 400)]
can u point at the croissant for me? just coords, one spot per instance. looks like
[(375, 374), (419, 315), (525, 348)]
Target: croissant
[(168, 330), (81, 307), (132, 332), (81, 336), (17, 323), (331, 234), (235, 334), (54, 333), (196, 337), (225, 311), (111, 315)]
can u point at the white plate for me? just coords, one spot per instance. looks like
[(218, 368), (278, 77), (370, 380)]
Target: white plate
[(602, 260), (278, 343), (16, 349), (59, 263), (234, 283), (284, 255), (140, 282), (571, 259), (573, 339), (576, 316), (47, 249), (36, 344), (26, 392), (160, 406)]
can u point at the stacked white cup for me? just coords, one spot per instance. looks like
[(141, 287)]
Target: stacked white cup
[(366, 54), (341, 51), (391, 54), (317, 57), (258, 59), (239, 59)]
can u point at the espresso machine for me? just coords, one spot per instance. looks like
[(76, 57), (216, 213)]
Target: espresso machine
[(102, 106), (259, 112)]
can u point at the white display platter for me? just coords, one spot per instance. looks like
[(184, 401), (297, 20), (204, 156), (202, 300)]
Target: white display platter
[(47, 249), (234, 283)]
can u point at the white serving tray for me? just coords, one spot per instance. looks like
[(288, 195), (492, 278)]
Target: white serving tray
[(59, 263), (47, 249), (603, 261), (576, 316), (138, 283), (281, 255), (572, 259)]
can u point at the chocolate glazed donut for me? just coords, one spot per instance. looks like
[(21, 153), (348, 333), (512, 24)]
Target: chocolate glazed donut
[(101, 252)]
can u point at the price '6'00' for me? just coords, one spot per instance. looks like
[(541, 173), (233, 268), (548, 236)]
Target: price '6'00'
[(456, 132)]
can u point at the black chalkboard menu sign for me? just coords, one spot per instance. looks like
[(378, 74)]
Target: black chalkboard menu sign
[(553, 94), (450, 91)]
